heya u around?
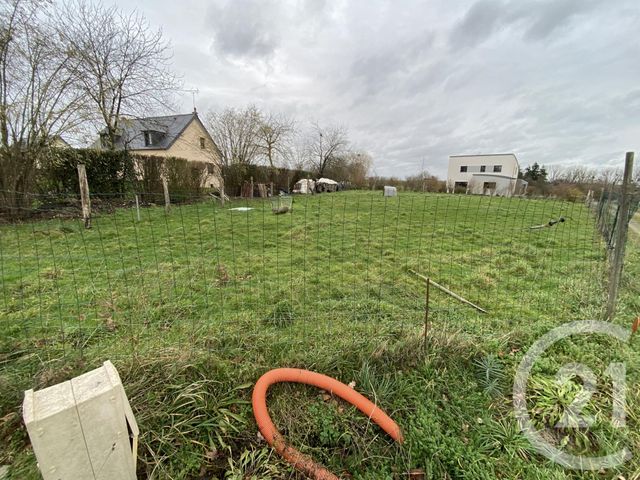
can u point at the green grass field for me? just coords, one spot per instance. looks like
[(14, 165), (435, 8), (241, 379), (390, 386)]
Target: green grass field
[(193, 306)]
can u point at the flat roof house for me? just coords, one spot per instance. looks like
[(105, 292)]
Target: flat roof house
[(485, 174)]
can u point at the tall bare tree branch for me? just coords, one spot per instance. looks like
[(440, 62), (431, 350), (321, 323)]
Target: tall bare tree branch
[(123, 65), (273, 138), (325, 145), (38, 98), (235, 132)]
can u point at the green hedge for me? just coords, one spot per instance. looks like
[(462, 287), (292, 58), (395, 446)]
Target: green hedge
[(282, 178), (115, 173), (184, 178), (108, 172)]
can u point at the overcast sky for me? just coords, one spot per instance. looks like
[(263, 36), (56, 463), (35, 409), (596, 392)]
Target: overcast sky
[(554, 81)]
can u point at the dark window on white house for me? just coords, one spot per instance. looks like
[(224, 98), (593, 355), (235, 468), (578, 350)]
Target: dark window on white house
[(489, 185), (202, 144), (460, 187), (463, 168), (497, 168), (211, 168), (483, 168)]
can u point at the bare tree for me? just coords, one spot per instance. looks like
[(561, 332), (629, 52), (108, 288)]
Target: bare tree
[(577, 174), (352, 167), (425, 182), (273, 137), (555, 172), (325, 145), (235, 132), (298, 159), (37, 96), (610, 176), (123, 65)]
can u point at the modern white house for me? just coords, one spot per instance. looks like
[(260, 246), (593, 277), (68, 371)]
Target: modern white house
[(488, 174)]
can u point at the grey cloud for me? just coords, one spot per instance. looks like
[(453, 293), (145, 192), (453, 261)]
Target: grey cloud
[(531, 20), (554, 80), (245, 28), (380, 70), (256, 29), (552, 15), (478, 24)]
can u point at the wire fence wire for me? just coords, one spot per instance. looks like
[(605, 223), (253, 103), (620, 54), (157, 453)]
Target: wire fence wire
[(336, 268), (608, 215)]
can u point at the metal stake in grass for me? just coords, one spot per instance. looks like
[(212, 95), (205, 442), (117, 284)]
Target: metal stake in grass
[(426, 315), (448, 292)]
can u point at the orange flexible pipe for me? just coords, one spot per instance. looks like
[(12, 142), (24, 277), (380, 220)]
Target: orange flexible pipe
[(302, 462)]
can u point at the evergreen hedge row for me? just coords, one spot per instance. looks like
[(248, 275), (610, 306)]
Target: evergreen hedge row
[(115, 173)]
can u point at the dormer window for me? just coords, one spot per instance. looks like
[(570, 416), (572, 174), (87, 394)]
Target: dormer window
[(152, 138)]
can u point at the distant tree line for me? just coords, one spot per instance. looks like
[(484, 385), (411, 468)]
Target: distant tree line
[(249, 137), (421, 182), (570, 182)]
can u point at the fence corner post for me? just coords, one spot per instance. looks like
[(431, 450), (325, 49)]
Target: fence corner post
[(620, 234), (84, 195)]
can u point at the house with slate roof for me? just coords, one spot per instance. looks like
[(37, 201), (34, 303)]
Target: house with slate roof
[(181, 136)]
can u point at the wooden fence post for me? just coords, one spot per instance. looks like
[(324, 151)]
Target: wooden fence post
[(622, 224), (84, 195), (137, 207), (165, 189), (251, 193)]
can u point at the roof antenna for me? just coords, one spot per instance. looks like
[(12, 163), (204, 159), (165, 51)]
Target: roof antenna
[(193, 93)]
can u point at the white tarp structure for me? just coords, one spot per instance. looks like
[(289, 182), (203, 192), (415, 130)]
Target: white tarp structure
[(326, 185), (390, 191), (304, 186)]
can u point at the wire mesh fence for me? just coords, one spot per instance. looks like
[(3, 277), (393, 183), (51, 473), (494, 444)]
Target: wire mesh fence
[(607, 209), (335, 268)]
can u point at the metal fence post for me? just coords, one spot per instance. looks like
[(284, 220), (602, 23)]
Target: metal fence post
[(622, 225)]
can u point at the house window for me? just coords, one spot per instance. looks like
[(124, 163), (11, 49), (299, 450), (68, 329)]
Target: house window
[(463, 168), (497, 168), (211, 168), (152, 137), (202, 145), (460, 187), (489, 186), (483, 168)]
